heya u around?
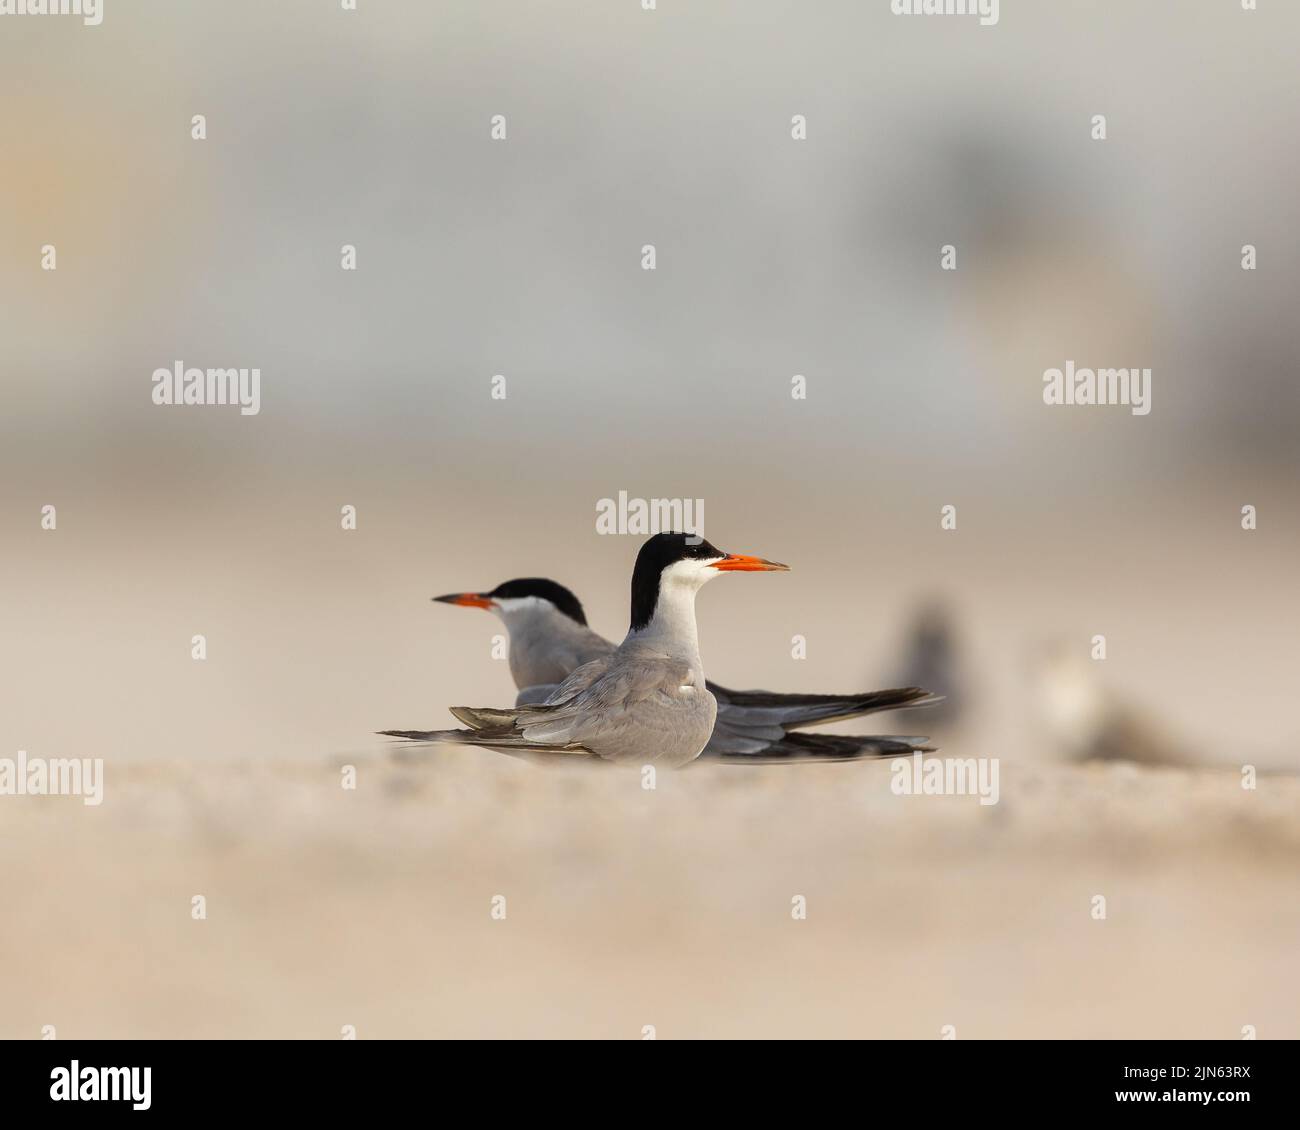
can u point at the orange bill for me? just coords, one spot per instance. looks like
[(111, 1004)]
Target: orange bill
[(744, 563), (465, 599)]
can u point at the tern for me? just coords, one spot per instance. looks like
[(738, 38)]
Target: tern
[(932, 659), (646, 700), (1087, 721)]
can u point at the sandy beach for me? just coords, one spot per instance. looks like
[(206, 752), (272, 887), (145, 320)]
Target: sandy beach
[(672, 908)]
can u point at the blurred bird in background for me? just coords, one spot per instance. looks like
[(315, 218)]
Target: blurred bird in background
[(932, 660)]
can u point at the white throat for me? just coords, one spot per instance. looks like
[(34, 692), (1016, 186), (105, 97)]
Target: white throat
[(672, 627), (522, 613)]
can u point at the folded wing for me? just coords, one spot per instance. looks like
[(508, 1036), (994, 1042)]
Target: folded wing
[(756, 725)]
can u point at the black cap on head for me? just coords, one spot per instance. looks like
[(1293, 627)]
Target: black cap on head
[(545, 589), (656, 555)]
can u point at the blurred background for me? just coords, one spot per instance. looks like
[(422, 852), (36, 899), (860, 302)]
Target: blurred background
[(523, 258)]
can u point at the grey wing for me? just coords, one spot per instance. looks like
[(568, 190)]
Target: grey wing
[(497, 724), (532, 726), (624, 708), (757, 724), (798, 747), (579, 679), (559, 706), (532, 696), (631, 709), (795, 711)]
